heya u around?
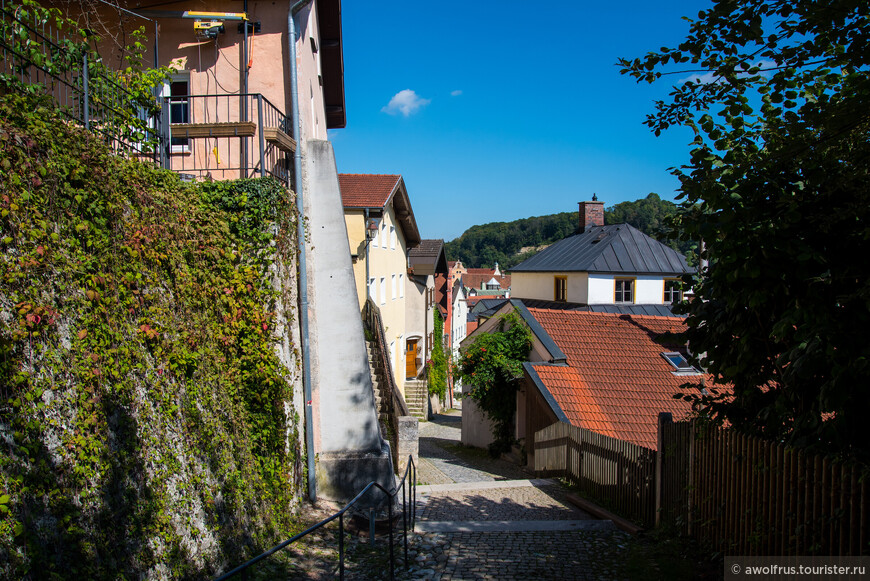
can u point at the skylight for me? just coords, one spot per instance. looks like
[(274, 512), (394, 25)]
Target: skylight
[(678, 361)]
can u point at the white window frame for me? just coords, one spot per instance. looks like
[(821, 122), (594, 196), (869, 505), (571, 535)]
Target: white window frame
[(393, 294), (632, 282), (392, 237), (373, 289), (384, 235), (401, 286), (383, 290), (178, 77)]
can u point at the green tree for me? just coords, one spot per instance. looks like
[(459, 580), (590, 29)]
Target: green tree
[(492, 366), (776, 186)]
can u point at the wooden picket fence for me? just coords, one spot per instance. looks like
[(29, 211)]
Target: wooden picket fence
[(739, 494), (616, 472)]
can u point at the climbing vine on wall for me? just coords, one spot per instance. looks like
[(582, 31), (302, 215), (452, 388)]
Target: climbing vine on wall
[(146, 414), (492, 366), (438, 364)]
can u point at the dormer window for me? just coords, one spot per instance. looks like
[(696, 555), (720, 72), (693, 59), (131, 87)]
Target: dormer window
[(560, 289), (623, 290), (673, 291), (679, 363)]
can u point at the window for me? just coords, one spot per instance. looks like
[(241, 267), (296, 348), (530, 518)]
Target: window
[(393, 237), (178, 90), (678, 361), (624, 290), (375, 239), (401, 286), (560, 289), (673, 291), (384, 235), (373, 289), (383, 290), (393, 293)]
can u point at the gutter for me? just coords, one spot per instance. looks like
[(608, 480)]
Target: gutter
[(300, 244)]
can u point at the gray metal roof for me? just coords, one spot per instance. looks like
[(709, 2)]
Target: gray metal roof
[(654, 310), (428, 257), (616, 248), (487, 307)]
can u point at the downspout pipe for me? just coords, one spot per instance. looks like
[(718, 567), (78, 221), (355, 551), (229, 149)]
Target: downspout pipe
[(366, 225), (300, 242)]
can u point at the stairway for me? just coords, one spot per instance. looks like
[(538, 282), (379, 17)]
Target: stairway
[(379, 386), (417, 398)]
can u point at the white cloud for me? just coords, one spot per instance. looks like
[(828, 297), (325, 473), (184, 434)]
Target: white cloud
[(455, 93), (406, 102), (711, 77)]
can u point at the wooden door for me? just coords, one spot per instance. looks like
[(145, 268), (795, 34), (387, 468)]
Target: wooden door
[(411, 358)]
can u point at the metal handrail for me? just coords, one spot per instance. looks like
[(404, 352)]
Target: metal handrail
[(372, 315), (408, 517)]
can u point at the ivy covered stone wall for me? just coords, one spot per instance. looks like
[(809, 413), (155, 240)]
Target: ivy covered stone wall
[(149, 384)]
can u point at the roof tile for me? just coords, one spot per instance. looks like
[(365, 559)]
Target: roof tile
[(616, 381), (367, 190)]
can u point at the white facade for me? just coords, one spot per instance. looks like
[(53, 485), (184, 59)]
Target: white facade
[(586, 288), (541, 285), (459, 320)]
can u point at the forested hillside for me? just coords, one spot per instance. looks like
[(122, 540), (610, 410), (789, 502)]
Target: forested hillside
[(509, 243)]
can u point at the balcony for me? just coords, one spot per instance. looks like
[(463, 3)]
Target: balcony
[(225, 137), (199, 136)]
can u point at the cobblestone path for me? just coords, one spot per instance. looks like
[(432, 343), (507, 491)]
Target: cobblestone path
[(483, 518)]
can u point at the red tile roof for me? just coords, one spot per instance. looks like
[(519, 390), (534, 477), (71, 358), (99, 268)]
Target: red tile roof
[(616, 381), (366, 190), (478, 277)]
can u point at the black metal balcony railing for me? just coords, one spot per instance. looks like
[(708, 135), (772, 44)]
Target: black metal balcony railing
[(225, 136)]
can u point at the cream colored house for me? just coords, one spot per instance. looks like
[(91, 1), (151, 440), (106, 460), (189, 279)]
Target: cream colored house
[(381, 230), (602, 265)]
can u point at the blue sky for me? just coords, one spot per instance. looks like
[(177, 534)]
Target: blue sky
[(504, 110)]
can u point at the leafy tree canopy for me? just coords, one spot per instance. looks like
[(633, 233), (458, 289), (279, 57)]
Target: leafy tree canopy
[(509, 243), (779, 101)]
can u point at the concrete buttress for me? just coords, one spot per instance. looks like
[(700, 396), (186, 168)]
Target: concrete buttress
[(350, 451)]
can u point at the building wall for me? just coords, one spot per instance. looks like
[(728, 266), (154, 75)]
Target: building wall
[(536, 415), (457, 327), (355, 222), (476, 426), (419, 323), (216, 67), (388, 259), (648, 289), (541, 285)]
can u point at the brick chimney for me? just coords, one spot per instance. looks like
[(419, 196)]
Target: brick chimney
[(591, 213)]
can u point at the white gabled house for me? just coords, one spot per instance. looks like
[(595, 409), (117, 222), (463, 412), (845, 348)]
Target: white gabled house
[(613, 264)]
